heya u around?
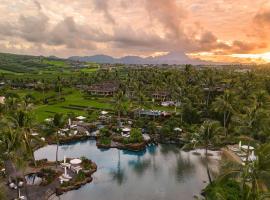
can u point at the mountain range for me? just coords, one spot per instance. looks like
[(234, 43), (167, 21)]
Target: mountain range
[(170, 58)]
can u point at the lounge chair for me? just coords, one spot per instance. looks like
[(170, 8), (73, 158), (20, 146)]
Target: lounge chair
[(66, 176), (63, 179), (76, 169), (65, 165)]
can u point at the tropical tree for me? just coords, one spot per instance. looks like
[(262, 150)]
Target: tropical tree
[(120, 104), (22, 122), (252, 177), (58, 122), (224, 104), (208, 134)]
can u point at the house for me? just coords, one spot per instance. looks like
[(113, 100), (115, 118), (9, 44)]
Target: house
[(161, 95), (108, 88)]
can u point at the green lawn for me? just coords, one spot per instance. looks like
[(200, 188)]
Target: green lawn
[(76, 98), (8, 72), (56, 63), (89, 70), (73, 97)]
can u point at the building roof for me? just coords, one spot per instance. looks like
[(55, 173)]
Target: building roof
[(109, 86)]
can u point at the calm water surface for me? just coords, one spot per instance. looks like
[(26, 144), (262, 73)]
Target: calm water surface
[(158, 173)]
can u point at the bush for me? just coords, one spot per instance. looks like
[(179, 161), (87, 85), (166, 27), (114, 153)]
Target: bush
[(105, 140), (228, 189), (80, 176), (105, 132), (135, 136)]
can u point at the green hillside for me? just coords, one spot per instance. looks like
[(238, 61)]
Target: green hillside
[(25, 64)]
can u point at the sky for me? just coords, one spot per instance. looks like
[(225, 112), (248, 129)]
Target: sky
[(212, 30)]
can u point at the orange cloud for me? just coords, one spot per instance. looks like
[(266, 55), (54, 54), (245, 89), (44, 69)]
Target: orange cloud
[(142, 27)]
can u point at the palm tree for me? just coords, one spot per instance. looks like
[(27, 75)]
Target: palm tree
[(253, 176), (58, 122), (59, 87), (22, 121), (11, 147), (120, 104), (208, 133), (224, 104)]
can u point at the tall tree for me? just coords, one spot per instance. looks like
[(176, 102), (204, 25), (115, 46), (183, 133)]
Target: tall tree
[(58, 122)]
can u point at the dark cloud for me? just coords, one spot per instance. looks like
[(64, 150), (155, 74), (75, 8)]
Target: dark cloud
[(169, 14), (33, 28), (263, 17), (103, 5), (38, 5), (144, 26)]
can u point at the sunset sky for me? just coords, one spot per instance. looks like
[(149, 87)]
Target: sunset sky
[(212, 30)]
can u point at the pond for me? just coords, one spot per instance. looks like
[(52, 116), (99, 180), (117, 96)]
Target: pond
[(160, 172)]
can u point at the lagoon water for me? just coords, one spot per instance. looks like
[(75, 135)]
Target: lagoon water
[(162, 172)]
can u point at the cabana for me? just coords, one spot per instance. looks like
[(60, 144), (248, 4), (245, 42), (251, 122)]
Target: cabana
[(247, 147), (126, 132)]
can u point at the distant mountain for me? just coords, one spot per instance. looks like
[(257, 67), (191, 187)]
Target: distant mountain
[(95, 58), (171, 58)]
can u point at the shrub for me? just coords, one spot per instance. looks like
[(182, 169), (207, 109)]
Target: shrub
[(228, 189), (104, 132), (105, 140), (135, 136), (80, 176)]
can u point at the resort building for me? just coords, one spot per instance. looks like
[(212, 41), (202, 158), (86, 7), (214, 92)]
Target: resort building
[(161, 96), (108, 88), (152, 113)]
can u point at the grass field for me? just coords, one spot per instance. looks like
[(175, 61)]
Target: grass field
[(56, 63), (8, 72), (89, 70), (76, 98), (73, 98)]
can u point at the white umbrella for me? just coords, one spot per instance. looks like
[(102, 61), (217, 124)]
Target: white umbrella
[(80, 117), (104, 112), (178, 129), (76, 161), (240, 144), (65, 171), (48, 120), (126, 129)]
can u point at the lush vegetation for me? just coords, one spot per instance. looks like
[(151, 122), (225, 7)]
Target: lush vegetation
[(213, 107)]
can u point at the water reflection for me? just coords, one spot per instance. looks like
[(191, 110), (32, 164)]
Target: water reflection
[(184, 167), (118, 174), (160, 172), (139, 166)]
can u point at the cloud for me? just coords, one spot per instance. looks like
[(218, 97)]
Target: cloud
[(103, 5), (143, 27), (263, 17)]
